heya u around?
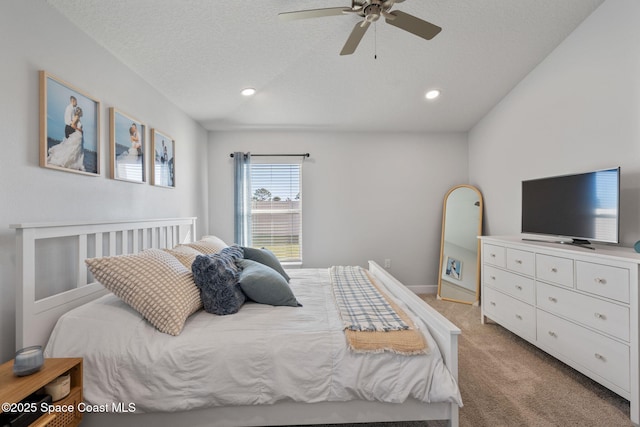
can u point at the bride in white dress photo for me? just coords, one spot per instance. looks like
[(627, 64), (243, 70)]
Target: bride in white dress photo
[(70, 152), (133, 153)]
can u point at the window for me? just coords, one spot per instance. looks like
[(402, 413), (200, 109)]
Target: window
[(606, 204), (276, 209)]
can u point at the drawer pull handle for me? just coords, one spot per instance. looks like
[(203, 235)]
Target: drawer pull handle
[(554, 270), (492, 255), (552, 299), (492, 303), (600, 316), (601, 280), (492, 277), (553, 334), (600, 357), (518, 261), (518, 317), (518, 287)]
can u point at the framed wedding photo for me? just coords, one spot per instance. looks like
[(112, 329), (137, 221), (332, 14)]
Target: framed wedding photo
[(69, 127), (163, 171), (454, 268), (127, 143)]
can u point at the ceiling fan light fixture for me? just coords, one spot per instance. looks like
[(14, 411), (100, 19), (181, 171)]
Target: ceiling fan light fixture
[(370, 11), (432, 94), (248, 91)]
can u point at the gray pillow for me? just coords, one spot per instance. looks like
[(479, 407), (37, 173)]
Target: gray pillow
[(264, 285), (266, 257), (217, 277)]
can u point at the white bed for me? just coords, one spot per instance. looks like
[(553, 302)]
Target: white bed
[(337, 386)]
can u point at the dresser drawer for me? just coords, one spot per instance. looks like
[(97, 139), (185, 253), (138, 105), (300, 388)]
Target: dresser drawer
[(605, 280), (554, 269), (601, 355), (494, 255), (521, 261), (602, 315), (510, 312), (518, 286)]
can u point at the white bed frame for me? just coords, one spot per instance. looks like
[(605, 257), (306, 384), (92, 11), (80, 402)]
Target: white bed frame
[(36, 318)]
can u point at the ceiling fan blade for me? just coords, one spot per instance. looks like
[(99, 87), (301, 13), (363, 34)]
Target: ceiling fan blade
[(414, 25), (354, 39), (388, 4), (313, 13)]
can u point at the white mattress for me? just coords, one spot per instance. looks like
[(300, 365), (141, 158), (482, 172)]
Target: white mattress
[(260, 355)]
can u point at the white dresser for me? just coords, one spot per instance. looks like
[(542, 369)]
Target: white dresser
[(577, 304)]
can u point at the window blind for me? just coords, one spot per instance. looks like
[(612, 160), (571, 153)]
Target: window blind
[(606, 204), (276, 209)]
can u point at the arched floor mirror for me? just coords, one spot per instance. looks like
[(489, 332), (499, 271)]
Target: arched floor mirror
[(459, 275)]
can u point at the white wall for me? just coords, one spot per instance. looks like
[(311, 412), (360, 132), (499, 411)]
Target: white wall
[(578, 110), (33, 36), (365, 196)]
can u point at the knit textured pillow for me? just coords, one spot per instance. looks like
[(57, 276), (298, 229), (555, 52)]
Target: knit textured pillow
[(208, 245), (152, 282), (185, 254), (216, 276)]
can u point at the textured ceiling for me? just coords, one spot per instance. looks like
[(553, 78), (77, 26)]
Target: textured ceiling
[(201, 53)]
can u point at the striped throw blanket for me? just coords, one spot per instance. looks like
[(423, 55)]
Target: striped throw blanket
[(373, 323)]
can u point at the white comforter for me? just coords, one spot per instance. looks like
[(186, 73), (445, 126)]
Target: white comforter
[(260, 355)]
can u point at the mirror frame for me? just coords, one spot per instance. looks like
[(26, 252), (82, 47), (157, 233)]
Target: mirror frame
[(480, 220)]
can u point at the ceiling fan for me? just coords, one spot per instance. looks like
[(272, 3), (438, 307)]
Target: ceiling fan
[(371, 11)]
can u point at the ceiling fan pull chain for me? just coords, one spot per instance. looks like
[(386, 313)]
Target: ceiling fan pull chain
[(375, 41)]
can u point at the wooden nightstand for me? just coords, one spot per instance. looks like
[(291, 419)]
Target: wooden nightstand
[(13, 389)]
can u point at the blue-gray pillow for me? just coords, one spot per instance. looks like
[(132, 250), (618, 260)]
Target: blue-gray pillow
[(217, 277), (266, 257), (264, 285)]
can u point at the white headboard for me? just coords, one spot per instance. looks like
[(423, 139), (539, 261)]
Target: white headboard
[(36, 318)]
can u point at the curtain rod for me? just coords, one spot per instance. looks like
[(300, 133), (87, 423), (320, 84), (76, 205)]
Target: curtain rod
[(278, 155)]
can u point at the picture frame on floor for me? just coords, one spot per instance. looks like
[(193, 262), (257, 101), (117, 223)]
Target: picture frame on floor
[(69, 127), (453, 268)]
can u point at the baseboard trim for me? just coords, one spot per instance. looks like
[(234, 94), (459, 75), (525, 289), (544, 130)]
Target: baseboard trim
[(423, 289)]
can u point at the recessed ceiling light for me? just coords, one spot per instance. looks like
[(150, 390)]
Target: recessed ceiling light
[(432, 94), (248, 91)]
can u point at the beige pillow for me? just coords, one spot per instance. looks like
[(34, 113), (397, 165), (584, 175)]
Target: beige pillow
[(215, 240), (185, 254), (152, 282), (208, 245)]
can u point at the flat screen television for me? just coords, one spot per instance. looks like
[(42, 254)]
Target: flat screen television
[(583, 207)]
